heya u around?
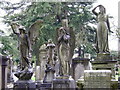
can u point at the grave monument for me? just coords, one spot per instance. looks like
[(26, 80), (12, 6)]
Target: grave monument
[(64, 79), (104, 59), (26, 40), (103, 66), (50, 65)]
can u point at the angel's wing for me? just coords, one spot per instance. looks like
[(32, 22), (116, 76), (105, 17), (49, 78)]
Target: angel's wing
[(33, 31), (72, 41)]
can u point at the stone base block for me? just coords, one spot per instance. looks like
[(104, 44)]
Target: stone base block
[(103, 57), (24, 85), (49, 76), (64, 84), (45, 86), (105, 65), (97, 79)]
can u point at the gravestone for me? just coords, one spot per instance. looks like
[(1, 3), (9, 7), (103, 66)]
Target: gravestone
[(49, 66), (41, 65), (97, 79), (64, 83), (79, 65)]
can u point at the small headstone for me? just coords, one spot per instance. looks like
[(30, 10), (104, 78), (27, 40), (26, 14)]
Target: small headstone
[(79, 65), (97, 79), (64, 83), (38, 73), (49, 76)]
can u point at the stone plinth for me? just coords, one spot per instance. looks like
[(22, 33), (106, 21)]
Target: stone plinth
[(3, 72), (25, 85), (104, 61), (79, 65), (97, 79), (64, 84), (103, 57), (45, 86), (105, 65), (49, 76)]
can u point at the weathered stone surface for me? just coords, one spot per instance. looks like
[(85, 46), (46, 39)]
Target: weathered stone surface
[(49, 76), (24, 84), (97, 79), (79, 65), (38, 73), (103, 57), (104, 65), (66, 84), (45, 86), (80, 83), (41, 64), (3, 71)]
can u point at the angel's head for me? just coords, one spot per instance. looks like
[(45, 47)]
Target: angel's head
[(62, 30), (102, 9), (65, 22), (22, 29)]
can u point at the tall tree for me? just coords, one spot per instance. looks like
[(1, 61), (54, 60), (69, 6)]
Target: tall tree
[(78, 14)]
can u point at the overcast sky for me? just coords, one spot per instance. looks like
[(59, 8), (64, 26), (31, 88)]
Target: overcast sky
[(111, 9)]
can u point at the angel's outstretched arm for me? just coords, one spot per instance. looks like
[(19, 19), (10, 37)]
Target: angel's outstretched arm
[(12, 26), (95, 11)]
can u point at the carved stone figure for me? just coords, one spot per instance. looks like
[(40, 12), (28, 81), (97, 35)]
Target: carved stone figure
[(66, 45), (64, 51), (26, 39), (103, 27), (50, 70), (50, 53), (24, 47)]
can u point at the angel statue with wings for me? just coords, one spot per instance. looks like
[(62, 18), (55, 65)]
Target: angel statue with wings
[(66, 45), (25, 41)]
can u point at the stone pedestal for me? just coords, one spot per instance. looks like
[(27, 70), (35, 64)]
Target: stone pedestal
[(105, 65), (45, 86), (41, 63), (103, 57), (64, 84), (49, 76), (79, 65), (3, 72), (104, 62), (24, 85), (97, 79)]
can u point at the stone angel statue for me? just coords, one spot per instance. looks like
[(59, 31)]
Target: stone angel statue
[(26, 38), (103, 27), (65, 45)]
